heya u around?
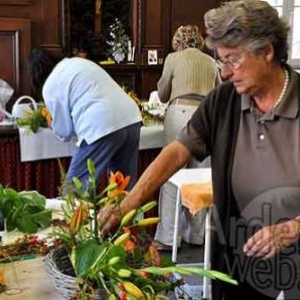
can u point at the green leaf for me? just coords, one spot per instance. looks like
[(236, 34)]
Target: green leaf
[(9, 195), (33, 209), (43, 218), (77, 183), (7, 206), (26, 224), (85, 256), (33, 198), (91, 167), (223, 277), (10, 225)]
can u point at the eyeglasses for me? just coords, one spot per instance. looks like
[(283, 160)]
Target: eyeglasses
[(232, 63)]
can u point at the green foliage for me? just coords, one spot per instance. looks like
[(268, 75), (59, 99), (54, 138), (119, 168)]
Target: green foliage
[(35, 119), (24, 211)]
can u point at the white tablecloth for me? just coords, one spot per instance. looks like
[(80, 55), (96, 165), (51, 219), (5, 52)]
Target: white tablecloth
[(45, 145)]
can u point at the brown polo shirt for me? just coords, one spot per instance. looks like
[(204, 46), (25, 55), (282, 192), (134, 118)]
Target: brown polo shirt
[(266, 169)]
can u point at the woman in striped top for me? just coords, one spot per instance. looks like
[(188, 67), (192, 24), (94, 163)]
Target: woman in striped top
[(188, 75)]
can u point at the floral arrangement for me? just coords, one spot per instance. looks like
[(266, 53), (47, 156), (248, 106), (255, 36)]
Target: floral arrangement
[(119, 41), (125, 265), (146, 115), (41, 117), (35, 119)]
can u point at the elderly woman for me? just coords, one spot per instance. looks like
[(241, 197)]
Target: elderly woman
[(251, 128), (188, 75)]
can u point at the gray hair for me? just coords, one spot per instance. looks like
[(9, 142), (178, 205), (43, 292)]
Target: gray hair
[(251, 24), (188, 36)]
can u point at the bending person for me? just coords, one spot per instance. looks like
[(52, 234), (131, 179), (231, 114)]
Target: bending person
[(86, 102)]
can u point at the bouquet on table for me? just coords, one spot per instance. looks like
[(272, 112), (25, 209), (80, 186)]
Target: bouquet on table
[(147, 114), (35, 119), (124, 265)]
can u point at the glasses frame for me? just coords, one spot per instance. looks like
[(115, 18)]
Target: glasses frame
[(231, 63)]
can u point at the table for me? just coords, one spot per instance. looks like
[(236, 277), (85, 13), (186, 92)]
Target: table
[(45, 145), (28, 279), (44, 175)]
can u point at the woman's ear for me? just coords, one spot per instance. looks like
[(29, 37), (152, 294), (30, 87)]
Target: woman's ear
[(269, 52)]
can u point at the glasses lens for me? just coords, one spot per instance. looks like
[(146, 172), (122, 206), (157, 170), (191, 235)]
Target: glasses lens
[(237, 62), (232, 63)]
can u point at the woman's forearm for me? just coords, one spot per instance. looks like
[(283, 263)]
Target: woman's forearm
[(171, 159)]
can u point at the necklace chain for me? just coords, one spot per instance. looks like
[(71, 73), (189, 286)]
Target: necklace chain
[(284, 88)]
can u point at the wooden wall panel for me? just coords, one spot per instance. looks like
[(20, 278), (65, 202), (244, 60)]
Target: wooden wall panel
[(15, 2), (155, 29), (153, 35), (48, 25), (9, 41), (15, 41), (160, 19), (192, 13), (25, 24)]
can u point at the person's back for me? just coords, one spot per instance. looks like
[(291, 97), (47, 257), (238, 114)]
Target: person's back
[(98, 105), (193, 72), (188, 75), (85, 101)]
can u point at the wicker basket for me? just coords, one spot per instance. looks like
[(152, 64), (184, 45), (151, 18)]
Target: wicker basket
[(59, 268)]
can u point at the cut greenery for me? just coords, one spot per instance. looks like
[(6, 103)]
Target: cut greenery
[(24, 210)]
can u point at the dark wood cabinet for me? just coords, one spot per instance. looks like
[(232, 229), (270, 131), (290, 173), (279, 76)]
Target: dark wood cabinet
[(25, 24), (140, 78)]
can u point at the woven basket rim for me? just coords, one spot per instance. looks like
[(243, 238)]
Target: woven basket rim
[(67, 285)]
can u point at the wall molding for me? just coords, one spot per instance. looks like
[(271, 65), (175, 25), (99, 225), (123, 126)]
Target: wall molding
[(15, 2)]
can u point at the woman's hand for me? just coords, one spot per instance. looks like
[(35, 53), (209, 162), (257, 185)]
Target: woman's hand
[(271, 239), (109, 218)]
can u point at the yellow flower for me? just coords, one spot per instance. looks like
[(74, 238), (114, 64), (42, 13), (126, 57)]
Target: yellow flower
[(46, 114)]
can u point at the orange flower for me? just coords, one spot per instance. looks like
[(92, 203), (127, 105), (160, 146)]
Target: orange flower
[(155, 256), (2, 280), (129, 246), (118, 178), (46, 114), (79, 217)]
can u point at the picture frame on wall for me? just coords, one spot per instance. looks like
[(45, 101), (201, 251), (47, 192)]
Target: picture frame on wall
[(152, 57)]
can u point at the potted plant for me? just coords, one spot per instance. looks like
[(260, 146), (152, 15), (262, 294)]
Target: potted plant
[(124, 265)]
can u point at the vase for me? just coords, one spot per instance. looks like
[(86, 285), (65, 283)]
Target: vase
[(119, 56)]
